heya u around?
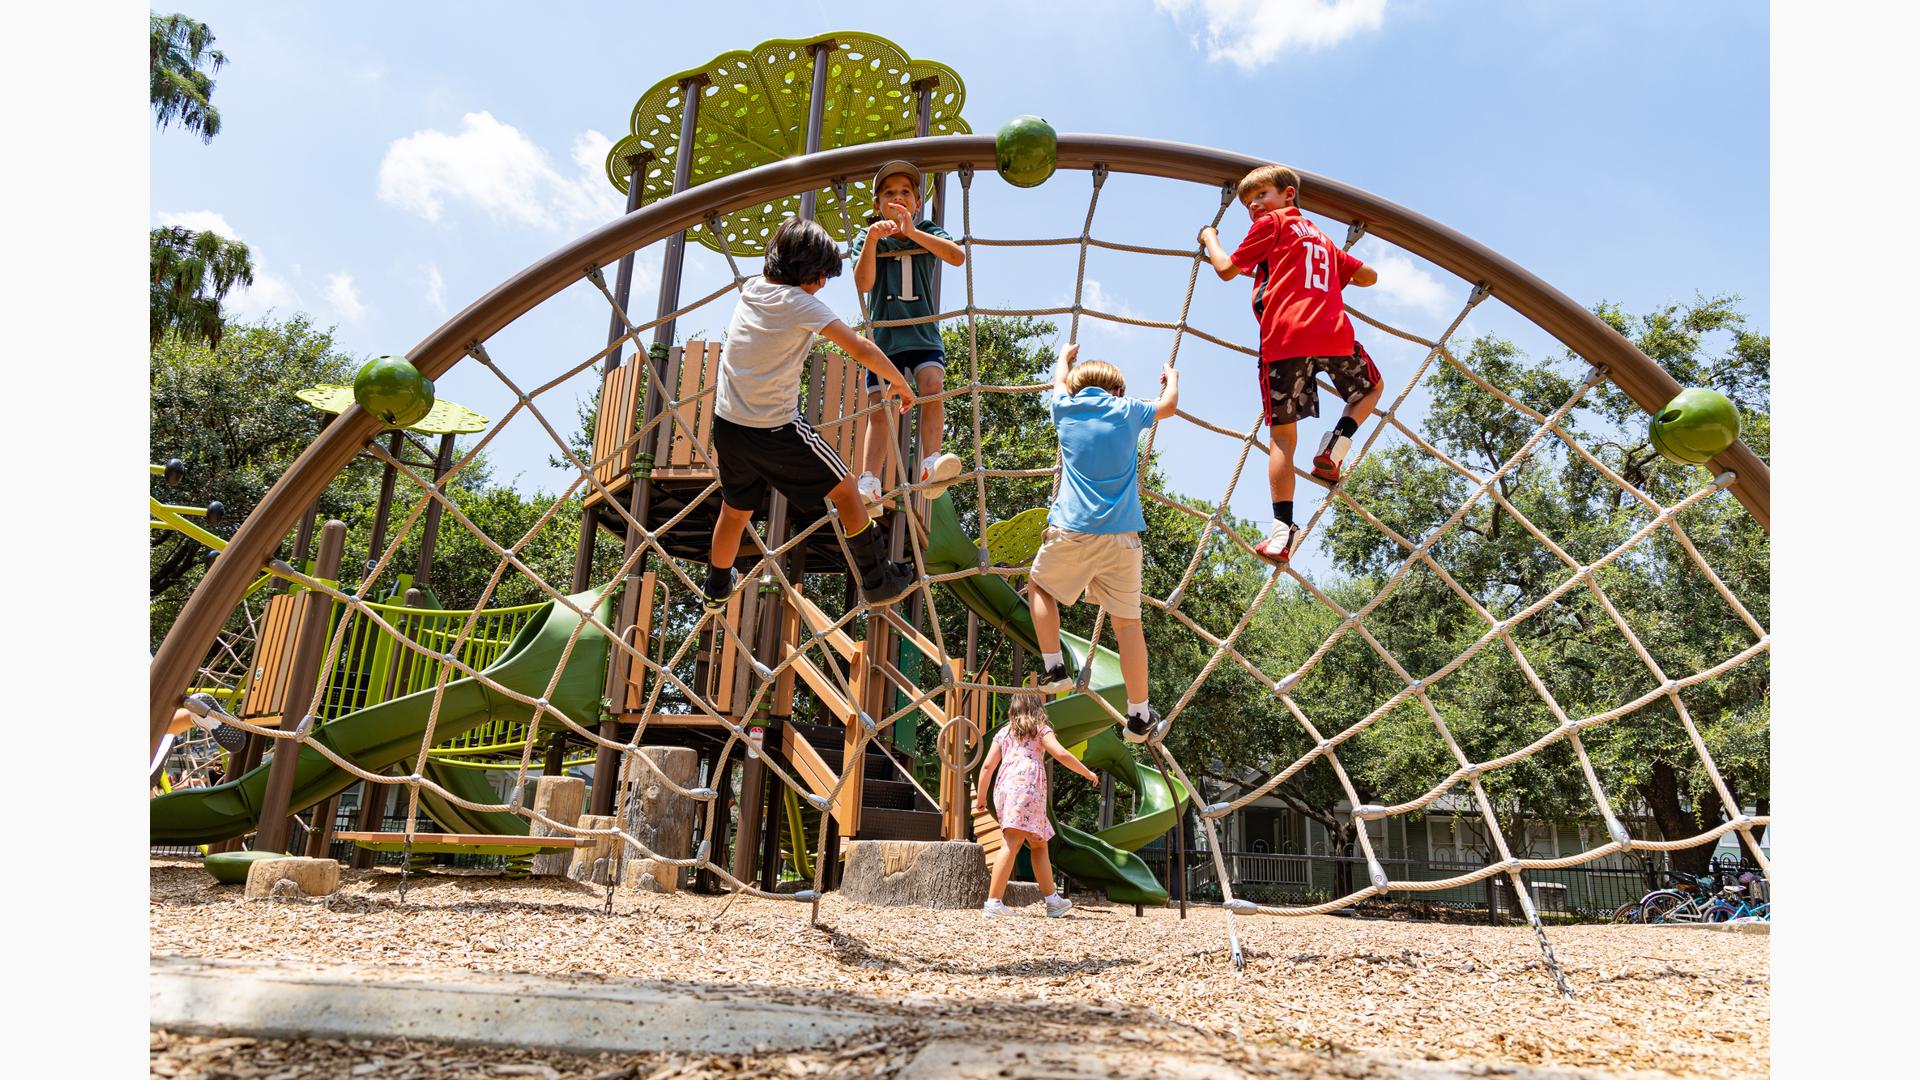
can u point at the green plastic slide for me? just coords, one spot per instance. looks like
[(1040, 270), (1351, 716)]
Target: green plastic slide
[(1104, 859), (390, 732)]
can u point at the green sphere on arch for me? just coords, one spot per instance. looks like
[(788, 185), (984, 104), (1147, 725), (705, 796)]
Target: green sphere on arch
[(1025, 151), (391, 388), (1695, 426)]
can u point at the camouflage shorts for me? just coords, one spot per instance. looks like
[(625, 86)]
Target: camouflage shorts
[(1289, 391)]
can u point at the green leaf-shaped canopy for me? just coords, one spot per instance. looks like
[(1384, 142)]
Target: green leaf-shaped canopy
[(753, 111), (446, 417)]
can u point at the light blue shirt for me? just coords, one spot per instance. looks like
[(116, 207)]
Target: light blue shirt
[(1100, 455)]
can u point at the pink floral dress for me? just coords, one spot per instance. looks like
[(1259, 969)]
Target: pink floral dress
[(1020, 785)]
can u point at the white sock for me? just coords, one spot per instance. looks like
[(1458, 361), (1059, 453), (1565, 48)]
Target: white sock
[(1048, 659), (1137, 708), (1054, 895)]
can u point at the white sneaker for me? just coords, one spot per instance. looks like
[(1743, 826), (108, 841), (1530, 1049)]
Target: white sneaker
[(938, 470), (994, 909), (869, 488), (1278, 546), (1057, 906)]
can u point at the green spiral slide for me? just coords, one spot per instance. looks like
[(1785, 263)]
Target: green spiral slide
[(1105, 858), (390, 732)]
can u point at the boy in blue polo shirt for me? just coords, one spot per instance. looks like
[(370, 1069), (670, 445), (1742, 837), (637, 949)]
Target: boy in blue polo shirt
[(1092, 542)]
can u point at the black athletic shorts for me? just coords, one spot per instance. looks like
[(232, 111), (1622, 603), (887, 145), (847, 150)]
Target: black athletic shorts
[(792, 457), (909, 364), (1290, 393)]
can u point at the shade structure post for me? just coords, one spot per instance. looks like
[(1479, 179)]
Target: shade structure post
[(302, 676)]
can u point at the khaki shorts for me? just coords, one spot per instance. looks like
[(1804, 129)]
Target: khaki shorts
[(1105, 566)]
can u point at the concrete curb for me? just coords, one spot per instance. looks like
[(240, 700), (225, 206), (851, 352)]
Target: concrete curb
[(214, 997), (1764, 929)]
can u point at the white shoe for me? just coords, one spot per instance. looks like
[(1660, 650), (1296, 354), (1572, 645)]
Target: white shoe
[(994, 909), (1057, 906), (1327, 460), (1278, 546), (869, 488), (938, 470)]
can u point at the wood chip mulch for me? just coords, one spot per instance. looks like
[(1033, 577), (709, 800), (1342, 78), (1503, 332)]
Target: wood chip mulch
[(1678, 1002)]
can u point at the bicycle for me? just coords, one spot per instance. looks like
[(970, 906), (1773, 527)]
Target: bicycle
[(1730, 904), (1687, 900)]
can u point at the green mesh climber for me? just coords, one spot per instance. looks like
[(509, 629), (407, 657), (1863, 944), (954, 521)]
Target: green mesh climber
[(753, 110)]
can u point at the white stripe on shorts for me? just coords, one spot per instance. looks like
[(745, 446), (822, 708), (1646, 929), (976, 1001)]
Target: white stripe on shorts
[(821, 448)]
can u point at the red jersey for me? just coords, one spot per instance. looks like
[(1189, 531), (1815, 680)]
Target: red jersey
[(1297, 275)]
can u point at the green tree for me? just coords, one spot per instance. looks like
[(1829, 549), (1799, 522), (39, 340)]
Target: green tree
[(181, 63), (192, 272), (1577, 652)]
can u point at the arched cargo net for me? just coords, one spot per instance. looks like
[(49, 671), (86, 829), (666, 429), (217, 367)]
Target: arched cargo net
[(585, 617)]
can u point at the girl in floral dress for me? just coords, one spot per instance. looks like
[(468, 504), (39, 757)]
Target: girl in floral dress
[(1016, 772)]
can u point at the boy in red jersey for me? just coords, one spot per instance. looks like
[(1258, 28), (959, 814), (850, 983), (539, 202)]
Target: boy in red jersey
[(1298, 272)]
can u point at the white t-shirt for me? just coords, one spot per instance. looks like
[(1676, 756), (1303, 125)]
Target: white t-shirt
[(766, 351)]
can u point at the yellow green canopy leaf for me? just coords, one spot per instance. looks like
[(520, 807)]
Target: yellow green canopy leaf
[(447, 417)]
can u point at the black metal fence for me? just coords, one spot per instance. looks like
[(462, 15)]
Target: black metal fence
[(1576, 893)]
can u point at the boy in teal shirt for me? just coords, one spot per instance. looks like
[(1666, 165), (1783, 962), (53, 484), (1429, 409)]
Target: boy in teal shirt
[(894, 265)]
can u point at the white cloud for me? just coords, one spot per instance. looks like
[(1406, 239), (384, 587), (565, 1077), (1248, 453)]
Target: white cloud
[(1095, 296), (436, 290), (495, 168), (1403, 283), (269, 291), (1253, 33), (344, 297)]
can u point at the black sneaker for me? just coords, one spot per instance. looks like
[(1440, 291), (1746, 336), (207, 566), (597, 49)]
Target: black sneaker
[(1138, 728), (1058, 678), (891, 581), (718, 591)]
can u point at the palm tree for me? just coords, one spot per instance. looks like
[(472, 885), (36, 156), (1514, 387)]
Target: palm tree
[(177, 47), (192, 272)]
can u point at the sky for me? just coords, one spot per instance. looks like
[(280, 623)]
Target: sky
[(1618, 151)]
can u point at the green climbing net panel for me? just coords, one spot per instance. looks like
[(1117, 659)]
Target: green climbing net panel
[(753, 111)]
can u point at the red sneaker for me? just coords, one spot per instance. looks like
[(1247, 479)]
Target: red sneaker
[(1333, 450), (1277, 547)]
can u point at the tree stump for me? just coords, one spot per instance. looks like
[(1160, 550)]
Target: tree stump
[(923, 873), (595, 861), (662, 818), (314, 877), (560, 798)]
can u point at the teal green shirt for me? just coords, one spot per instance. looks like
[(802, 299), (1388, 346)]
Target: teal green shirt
[(899, 295)]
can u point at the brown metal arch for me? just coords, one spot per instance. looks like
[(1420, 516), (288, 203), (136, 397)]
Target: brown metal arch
[(206, 610)]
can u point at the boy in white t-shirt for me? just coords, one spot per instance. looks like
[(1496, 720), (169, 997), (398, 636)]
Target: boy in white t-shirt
[(759, 436)]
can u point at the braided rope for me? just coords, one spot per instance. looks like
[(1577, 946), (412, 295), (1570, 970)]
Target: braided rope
[(1417, 553)]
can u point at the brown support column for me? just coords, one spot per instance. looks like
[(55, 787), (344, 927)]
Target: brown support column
[(302, 678), (430, 530), (675, 258), (816, 109), (373, 810), (923, 126), (616, 327), (720, 779), (383, 509)]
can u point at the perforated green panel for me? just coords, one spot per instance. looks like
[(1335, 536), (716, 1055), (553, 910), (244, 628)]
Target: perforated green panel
[(753, 111), (446, 417)]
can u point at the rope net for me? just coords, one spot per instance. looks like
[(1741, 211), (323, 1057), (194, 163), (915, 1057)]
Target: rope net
[(1463, 780)]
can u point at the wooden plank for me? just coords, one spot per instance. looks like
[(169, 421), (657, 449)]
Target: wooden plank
[(267, 696), (846, 808), (666, 431), (822, 687), (789, 636), (614, 426), (642, 635), (686, 382), (727, 657), (839, 640), (703, 409), (811, 767)]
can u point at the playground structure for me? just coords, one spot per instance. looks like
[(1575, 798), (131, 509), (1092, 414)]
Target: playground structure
[(436, 693)]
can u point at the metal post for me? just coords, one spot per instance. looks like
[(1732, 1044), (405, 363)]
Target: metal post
[(384, 508), (302, 677), (430, 531), (373, 806), (923, 126), (617, 326), (677, 243), (816, 111)]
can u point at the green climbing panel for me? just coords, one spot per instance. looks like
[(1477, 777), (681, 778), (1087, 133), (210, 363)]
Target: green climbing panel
[(753, 111)]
